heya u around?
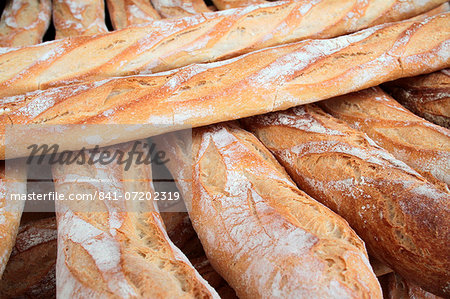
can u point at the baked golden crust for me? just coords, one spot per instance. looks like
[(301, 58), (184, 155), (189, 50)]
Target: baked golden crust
[(80, 17), (117, 248), (24, 22), (179, 8), (126, 13), (262, 234), (427, 96), (403, 219), (420, 144), (168, 44)]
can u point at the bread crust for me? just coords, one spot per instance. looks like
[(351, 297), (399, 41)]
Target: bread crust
[(126, 13), (30, 272), (168, 44), (261, 233), (427, 96), (24, 22), (422, 145), (179, 8), (81, 17), (117, 248), (403, 219)]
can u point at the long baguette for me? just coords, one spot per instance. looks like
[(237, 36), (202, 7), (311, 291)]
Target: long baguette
[(125, 13), (420, 144), (267, 80), (403, 219), (427, 96), (110, 248), (30, 272), (24, 22), (80, 17), (262, 234), (167, 44), (179, 8)]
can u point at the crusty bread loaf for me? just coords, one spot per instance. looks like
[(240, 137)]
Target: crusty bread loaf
[(420, 144), (179, 8), (24, 22), (80, 17), (427, 96), (30, 272), (167, 44), (395, 287), (110, 248), (12, 181), (262, 234), (403, 219), (124, 13), (227, 4), (271, 79)]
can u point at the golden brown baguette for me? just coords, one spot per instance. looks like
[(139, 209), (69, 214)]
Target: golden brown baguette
[(12, 181), (179, 8), (403, 219), (259, 231), (422, 145), (30, 272), (118, 248), (395, 287), (227, 4), (125, 13), (427, 96), (78, 17), (167, 44), (267, 80), (24, 22)]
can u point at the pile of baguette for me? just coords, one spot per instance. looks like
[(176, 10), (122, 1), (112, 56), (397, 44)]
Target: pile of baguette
[(319, 165)]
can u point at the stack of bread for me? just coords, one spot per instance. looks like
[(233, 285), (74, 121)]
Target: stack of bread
[(317, 165)]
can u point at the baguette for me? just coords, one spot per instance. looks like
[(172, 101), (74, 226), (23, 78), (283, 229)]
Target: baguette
[(395, 287), (12, 181), (117, 248), (227, 4), (168, 44), (403, 219), (80, 17), (24, 22), (422, 145), (179, 8), (267, 80), (427, 96), (30, 272), (125, 13), (264, 236)]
